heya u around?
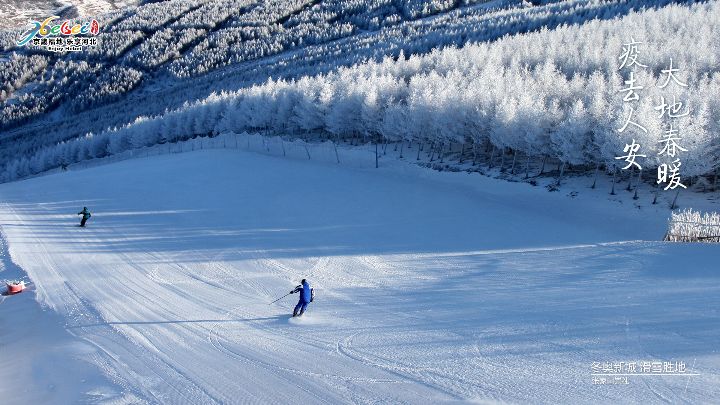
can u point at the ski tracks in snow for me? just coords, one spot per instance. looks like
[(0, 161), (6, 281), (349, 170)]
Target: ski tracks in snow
[(177, 301), (97, 298)]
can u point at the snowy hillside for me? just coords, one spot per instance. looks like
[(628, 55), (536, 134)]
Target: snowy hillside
[(537, 81), (431, 288)]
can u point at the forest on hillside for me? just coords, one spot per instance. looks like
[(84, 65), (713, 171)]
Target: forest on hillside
[(547, 80)]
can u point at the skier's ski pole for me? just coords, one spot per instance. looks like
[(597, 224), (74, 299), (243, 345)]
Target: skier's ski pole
[(279, 298)]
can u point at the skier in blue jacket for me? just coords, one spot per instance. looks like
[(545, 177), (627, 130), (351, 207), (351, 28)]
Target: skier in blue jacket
[(307, 294), (86, 214)]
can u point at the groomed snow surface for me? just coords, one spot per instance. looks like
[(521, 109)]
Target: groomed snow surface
[(431, 288)]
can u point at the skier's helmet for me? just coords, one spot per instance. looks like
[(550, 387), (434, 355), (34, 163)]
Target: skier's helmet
[(303, 281)]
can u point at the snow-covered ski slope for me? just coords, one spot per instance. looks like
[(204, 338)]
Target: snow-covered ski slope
[(431, 288)]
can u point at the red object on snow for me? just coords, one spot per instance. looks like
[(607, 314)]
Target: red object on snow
[(15, 288)]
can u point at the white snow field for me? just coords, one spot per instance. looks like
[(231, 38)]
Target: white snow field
[(431, 288)]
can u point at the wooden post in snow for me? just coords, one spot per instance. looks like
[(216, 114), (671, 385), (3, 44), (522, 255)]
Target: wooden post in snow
[(562, 170), (632, 171), (637, 186), (673, 206), (597, 169), (376, 155), (657, 192), (527, 168)]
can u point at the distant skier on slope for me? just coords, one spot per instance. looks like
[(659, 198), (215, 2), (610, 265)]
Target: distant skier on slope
[(86, 214), (307, 294)]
